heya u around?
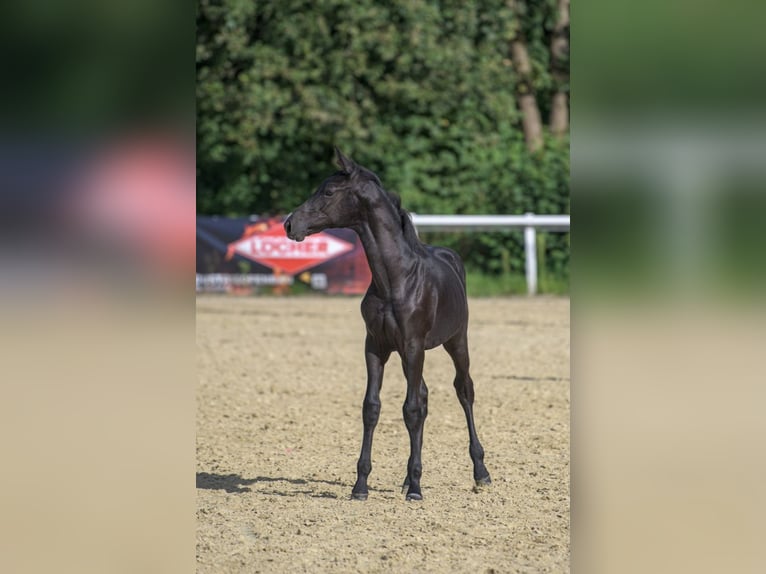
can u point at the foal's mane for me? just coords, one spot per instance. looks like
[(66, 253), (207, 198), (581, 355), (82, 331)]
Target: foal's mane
[(410, 234)]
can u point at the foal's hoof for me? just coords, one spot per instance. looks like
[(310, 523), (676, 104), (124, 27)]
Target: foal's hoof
[(486, 481), (414, 496), (482, 483), (358, 496)]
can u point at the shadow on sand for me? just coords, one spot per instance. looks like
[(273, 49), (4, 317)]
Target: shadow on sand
[(234, 483)]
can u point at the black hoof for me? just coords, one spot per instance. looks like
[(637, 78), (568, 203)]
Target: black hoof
[(486, 481), (358, 496), (414, 496)]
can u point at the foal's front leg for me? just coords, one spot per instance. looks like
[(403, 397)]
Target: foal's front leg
[(376, 360), (415, 410)]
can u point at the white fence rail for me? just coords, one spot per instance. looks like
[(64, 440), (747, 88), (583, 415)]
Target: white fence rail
[(529, 222)]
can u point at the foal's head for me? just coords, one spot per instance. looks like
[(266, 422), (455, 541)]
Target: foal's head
[(338, 202)]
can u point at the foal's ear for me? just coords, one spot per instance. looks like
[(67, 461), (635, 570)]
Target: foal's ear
[(345, 163)]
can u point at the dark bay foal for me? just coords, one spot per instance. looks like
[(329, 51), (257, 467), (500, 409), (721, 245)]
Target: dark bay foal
[(416, 301)]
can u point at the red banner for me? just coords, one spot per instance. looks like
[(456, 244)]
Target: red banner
[(249, 255)]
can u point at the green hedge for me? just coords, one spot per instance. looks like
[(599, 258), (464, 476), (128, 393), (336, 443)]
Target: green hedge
[(423, 93)]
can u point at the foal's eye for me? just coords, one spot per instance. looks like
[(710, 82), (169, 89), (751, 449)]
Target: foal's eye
[(328, 192)]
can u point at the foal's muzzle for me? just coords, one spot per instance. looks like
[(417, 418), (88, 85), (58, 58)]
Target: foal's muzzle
[(291, 231)]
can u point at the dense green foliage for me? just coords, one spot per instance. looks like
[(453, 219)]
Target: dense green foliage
[(421, 92)]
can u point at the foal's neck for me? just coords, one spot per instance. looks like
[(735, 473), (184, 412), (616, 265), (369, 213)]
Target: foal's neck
[(389, 254)]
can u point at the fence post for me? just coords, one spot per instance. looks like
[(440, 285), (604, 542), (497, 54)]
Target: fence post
[(530, 249)]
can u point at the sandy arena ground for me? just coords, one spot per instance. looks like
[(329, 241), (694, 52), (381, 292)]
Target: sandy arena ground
[(281, 382)]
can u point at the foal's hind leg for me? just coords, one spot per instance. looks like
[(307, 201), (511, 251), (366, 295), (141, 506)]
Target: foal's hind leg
[(375, 360), (457, 348)]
